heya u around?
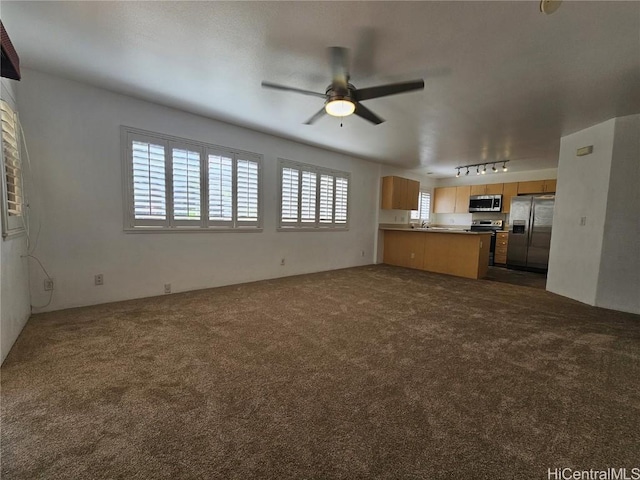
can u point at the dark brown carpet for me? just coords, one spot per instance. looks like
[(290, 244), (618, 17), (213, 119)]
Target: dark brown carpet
[(371, 372)]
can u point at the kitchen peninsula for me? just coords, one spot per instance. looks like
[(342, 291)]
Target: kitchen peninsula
[(439, 250)]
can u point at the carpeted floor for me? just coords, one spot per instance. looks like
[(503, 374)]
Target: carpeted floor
[(370, 372)]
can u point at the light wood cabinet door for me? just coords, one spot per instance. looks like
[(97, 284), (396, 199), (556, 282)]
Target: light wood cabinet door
[(478, 189), (534, 186), (404, 249), (508, 190), (411, 198), (462, 199), (494, 189), (399, 193), (550, 186), (444, 200), (537, 186)]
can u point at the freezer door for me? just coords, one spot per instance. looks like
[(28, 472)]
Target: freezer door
[(540, 236), (519, 231)]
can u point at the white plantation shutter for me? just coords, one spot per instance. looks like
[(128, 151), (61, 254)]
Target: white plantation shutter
[(149, 182), (186, 185), (220, 188), (424, 207), (326, 199), (247, 171), (342, 193), (289, 207), (308, 198), (12, 167)]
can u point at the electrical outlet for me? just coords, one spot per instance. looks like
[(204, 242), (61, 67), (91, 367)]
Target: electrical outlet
[(48, 284), (413, 255), (362, 253), (167, 288), (99, 279), (282, 262), (583, 221)]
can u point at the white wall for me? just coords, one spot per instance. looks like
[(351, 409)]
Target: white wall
[(582, 190), (14, 282), (73, 131), (619, 280)]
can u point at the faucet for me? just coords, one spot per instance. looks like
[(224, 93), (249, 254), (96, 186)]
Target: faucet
[(423, 224)]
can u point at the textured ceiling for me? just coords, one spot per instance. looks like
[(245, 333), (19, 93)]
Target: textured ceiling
[(502, 79)]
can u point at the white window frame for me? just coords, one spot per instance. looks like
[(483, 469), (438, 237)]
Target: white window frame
[(415, 214), (12, 224), (316, 225), (169, 224)]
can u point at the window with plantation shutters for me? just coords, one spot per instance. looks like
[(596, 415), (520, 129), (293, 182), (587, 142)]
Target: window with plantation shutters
[(175, 184), (424, 207), (13, 198), (312, 197)]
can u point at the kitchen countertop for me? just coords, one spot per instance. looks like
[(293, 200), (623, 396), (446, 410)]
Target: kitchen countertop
[(432, 230)]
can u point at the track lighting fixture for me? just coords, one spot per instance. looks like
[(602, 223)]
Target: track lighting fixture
[(484, 167)]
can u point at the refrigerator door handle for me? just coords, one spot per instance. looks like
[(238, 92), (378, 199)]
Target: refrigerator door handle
[(532, 220)]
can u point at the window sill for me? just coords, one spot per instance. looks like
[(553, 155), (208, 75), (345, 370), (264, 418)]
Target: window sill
[(193, 230), (312, 229)]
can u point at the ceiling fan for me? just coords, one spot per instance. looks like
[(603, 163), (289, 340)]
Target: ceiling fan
[(342, 98)]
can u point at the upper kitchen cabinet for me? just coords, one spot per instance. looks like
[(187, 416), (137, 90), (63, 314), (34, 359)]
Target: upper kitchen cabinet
[(489, 189), (462, 199), (444, 200), (508, 190), (399, 193), (451, 199), (537, 186)]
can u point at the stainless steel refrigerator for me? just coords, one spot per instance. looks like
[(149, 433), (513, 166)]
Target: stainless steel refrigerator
[(530, 232)]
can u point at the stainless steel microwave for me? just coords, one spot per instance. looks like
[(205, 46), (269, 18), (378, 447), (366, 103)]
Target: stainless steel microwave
[(485, 203)]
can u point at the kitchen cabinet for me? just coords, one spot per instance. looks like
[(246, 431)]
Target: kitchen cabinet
[(537, 186), (399, 193), (404, 249), (502, 244), (508, 190), (489, 189), (451, 199), (462, 199), (464, 254), (444, 200)]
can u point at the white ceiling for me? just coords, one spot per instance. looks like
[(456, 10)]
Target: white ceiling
[(502, 79)]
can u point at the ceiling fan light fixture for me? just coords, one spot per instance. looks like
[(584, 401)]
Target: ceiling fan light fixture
[(340, 108)]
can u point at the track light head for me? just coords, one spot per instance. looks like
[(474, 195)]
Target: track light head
[(467, 171), (504, 166), (484, 170), (458, 174), (494, 169)]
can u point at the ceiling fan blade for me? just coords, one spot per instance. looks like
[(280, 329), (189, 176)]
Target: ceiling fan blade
[(390, 89), (315, 116), (367, 114), (275, 86), (339, 58)]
